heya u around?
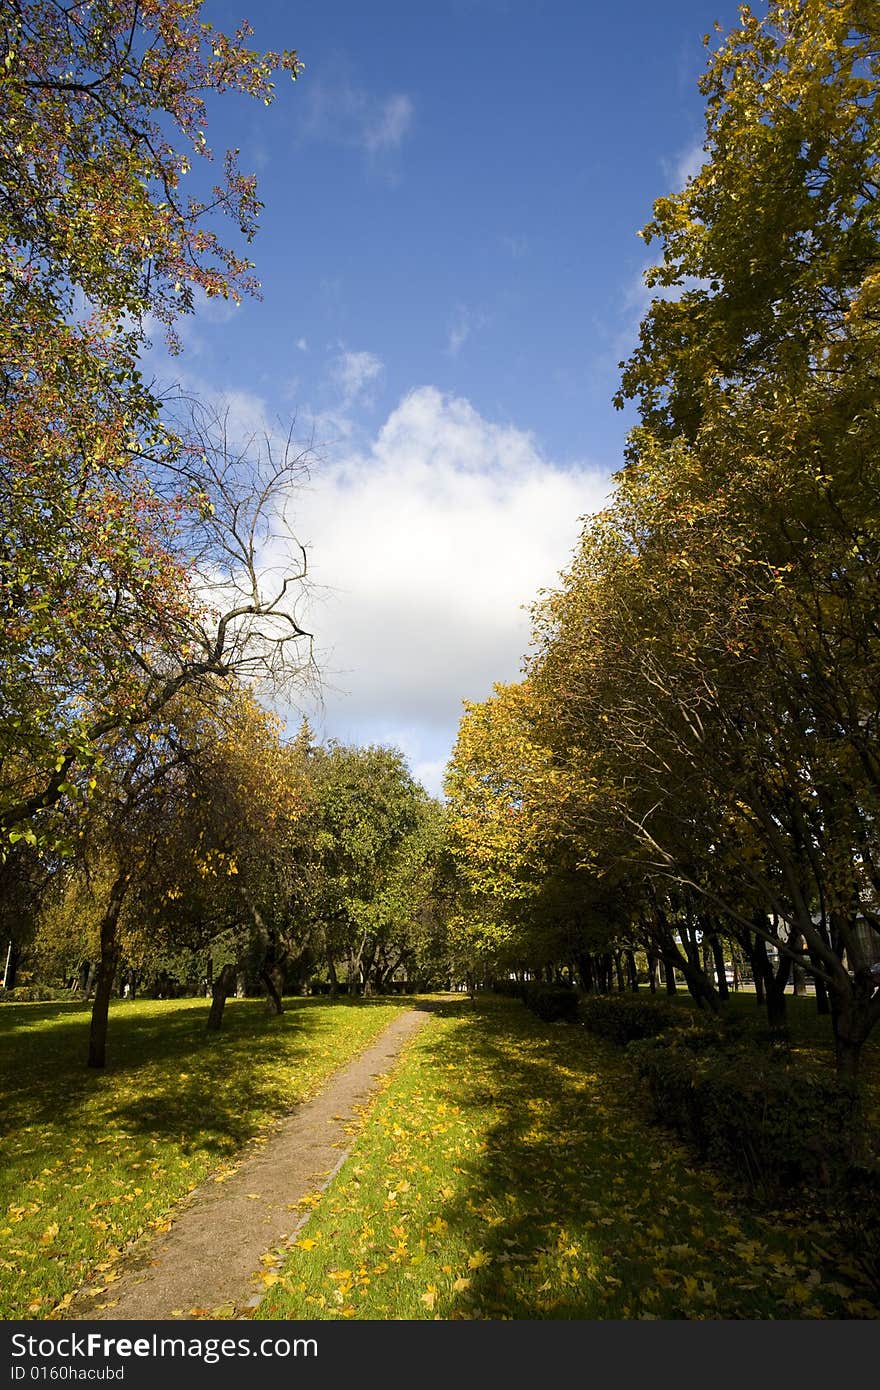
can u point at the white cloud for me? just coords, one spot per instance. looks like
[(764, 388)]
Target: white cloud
[(464, 321), (426, 544), (686, 166), (355, 373), (385, 130), (430, 773), (429, 543), (636, 295), (302, 344), (338, 111)]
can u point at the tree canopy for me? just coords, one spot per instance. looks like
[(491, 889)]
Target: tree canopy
[(102, 114), (704, 681)]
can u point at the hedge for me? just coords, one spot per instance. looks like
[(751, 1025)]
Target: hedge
[(765, 1119), (622, 1018)]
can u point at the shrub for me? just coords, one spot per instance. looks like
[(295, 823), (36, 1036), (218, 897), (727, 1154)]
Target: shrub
[(764, 1119), (513, 989), (552, 1003), (621, 1018), (34, 994), (860, 1217)]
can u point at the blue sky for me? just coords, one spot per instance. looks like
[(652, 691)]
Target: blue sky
[(450, 274)]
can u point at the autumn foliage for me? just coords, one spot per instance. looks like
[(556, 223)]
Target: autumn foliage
[(703, 683), (102, 115)]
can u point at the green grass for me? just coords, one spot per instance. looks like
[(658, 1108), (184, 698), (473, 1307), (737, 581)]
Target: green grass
[(89, 1160), (507, 1172)]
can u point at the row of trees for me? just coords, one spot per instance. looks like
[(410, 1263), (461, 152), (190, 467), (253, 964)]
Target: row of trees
[(692, 756), (212, 853), (152, 819)]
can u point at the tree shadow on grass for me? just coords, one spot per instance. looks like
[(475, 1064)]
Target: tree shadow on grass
[(209, 1090), (584, 1210), (527, 1184)]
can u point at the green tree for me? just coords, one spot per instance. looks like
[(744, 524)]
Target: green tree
[(369, 808), (741, 635), (102, 113)]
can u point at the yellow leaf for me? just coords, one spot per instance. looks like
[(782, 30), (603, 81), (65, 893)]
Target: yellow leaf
[(461, 1284), (478, 1259)]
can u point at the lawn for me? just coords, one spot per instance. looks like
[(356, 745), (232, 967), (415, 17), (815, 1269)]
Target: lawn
[(507, 1171), (90, 1160)]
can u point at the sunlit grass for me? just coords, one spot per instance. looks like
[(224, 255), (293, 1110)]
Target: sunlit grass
[(507, 1171), (90, 1160)]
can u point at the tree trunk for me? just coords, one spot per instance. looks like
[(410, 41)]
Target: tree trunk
[(776, 982), (701, 988), (759, 987), (669, 973), (823, 1004), (855, 1009), (632, 971), (221, 988), (272, 976), (848, 1054), (652, 971), (618, 971), (776, 1008), (605, 973), (106, 970), (585, 972), (761, 971), (720, 967)]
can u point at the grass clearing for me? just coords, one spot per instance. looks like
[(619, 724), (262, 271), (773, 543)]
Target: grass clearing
[(507, 1172), (90, 1160)]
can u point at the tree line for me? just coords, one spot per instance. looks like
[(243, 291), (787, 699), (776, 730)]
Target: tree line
[(690, 764), (150, 577)]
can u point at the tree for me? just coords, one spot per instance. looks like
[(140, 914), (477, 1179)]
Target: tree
[(727, 633), (235, 618), (237, 861), (411, 906), (369, 807), (524, 884), (102, 110), (185, 845), (770, 251)]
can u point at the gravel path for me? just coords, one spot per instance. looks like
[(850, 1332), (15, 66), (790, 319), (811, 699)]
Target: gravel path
[(210, 1257)]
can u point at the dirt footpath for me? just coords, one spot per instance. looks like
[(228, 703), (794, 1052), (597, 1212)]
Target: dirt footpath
[(211, 1256)]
